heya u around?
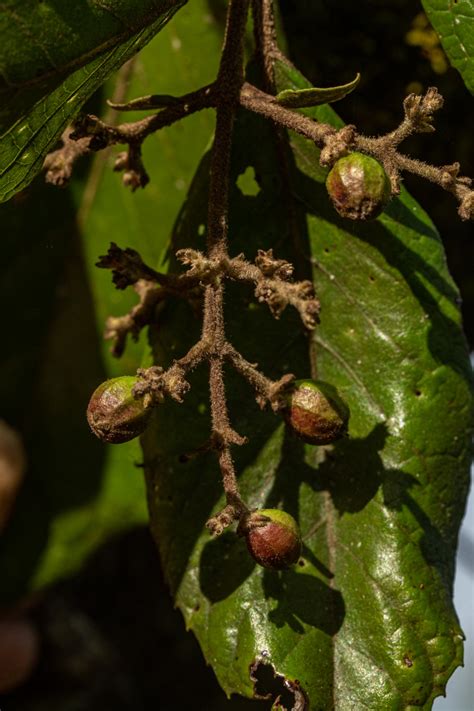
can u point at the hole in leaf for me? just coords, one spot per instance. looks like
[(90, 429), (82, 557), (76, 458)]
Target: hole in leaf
[(247, 183), (268, 684), (418, 393)]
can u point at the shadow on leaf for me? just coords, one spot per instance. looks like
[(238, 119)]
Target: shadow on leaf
[(427, 283), (353, 472), (224, 565), (303, 598)]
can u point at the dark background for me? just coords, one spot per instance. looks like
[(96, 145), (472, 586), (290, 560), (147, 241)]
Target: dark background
[(110, 637), (332, 40)]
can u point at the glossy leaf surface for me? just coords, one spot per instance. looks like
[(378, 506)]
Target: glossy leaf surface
[(366, 619), (454, 23), (79, 492), (304, 98), (52, 61)]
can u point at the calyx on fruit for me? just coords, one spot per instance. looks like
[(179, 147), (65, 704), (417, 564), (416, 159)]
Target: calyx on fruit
[(114, 414), (358, 187), (273, 538), (316, 412)]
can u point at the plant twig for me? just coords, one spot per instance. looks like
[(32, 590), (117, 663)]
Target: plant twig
[(229, 80), (335, 144), (260, 102), (103, 134), (59, 164), (268, 391), (155, 382), (271, 278), (117, 328), (266, 46), (206, 272)]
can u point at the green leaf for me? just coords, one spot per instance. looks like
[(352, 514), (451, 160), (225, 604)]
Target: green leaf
[(366, 619), (304, 98), (152, 101), (47, 81), (79, 492), (454, 23)]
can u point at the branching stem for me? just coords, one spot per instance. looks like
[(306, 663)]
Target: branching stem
[(137, 131), (225, 95), (229, 81), (206, 273), (260, 102)]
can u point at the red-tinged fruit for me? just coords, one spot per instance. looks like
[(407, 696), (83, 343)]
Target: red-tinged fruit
[(358, 187), (273, 538), (316, 412), (114, 414)]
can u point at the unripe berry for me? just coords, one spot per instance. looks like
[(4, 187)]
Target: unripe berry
[(273, 538), (358, 186), (316, 412), (114, 414)]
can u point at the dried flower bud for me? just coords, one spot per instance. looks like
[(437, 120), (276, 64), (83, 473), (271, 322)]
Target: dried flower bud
[(273, 538), (135, 179), (358, 187), (114, 414), (121, 161), (316, 412)]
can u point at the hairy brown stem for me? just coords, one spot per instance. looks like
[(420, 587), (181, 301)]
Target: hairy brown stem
[(137, 131), (229, 81), (261, 384), (60, 163), (271, 277), (262, 103), (335, 143), (267, 390), (117, 328), (265, 39), (224, 95)]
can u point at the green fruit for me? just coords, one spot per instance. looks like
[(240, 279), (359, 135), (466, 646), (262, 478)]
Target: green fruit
[(273, 538), (316, 412), (358, 186), (114, 414)]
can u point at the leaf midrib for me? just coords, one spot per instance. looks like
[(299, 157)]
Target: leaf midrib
[(83, 59)]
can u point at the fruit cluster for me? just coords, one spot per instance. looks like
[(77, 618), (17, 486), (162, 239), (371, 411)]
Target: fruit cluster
[(312, 409)]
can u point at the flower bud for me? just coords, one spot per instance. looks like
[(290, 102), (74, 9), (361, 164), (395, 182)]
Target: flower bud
[(114, 414), (358, 187), (273, 538), (316, 412)]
